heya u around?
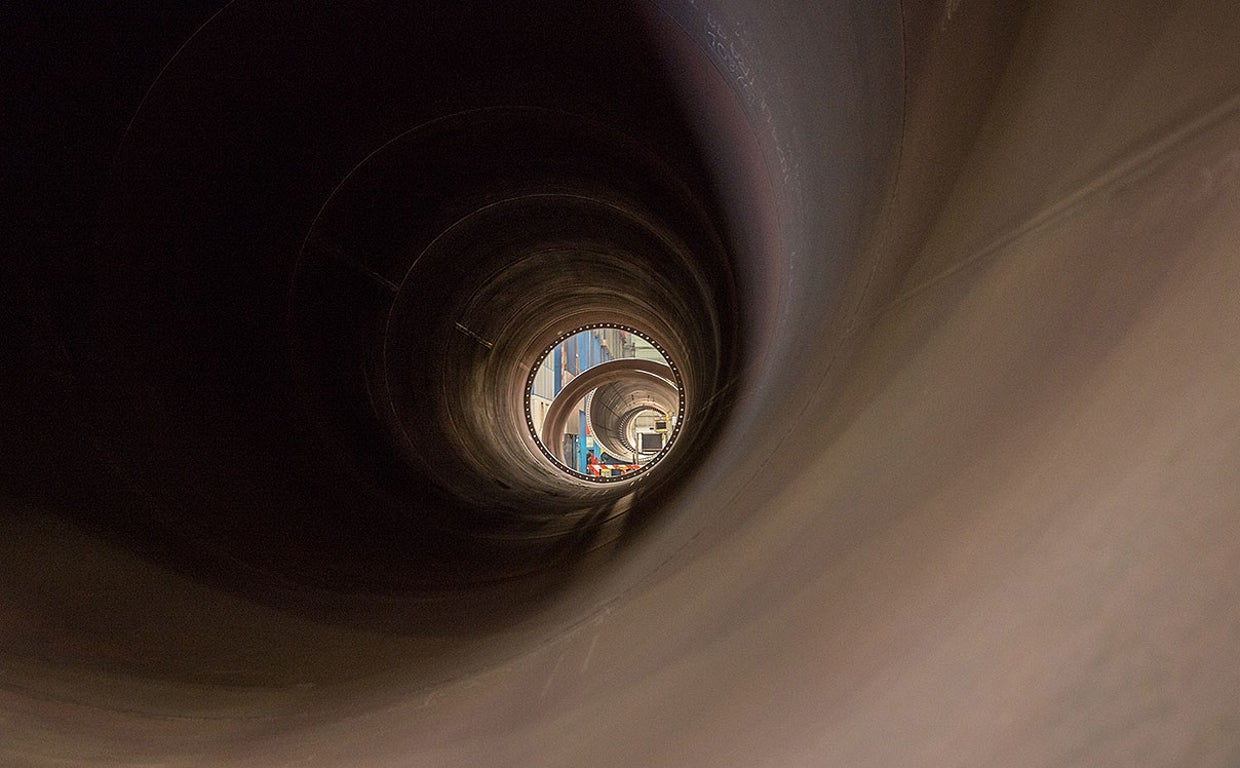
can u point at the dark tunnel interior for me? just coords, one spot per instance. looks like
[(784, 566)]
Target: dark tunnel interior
[(300, 364), (290, 347), (949, 295)]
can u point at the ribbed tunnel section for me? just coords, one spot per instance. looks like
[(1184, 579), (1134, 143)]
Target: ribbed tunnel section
[(444, 266), (326, 252), (323, 275), (949, 289)]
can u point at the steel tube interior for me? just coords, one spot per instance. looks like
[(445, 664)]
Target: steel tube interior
[(614, 407), (632, 374), (952, 287)]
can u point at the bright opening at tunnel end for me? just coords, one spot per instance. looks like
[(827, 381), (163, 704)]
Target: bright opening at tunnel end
[(604, 403)]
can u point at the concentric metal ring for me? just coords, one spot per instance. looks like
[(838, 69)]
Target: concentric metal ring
[(678, 422)]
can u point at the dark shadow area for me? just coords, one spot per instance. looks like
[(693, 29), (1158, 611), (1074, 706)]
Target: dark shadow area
[(255, 337)]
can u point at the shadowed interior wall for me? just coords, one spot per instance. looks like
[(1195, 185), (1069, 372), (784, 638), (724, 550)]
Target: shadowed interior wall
[(956, 292)]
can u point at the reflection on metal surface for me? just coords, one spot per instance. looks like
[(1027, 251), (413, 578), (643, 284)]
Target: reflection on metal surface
[(951, 290)]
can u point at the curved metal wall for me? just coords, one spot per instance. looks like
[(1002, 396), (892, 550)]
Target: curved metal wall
[(967, 493)]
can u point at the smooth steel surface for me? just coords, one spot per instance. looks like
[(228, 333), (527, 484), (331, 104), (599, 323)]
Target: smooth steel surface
[(962, 312)]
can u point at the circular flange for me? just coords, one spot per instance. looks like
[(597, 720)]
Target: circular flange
[(677, 423)]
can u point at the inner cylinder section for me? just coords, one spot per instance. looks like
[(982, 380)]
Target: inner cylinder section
[(447, 266), (604, 403)]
